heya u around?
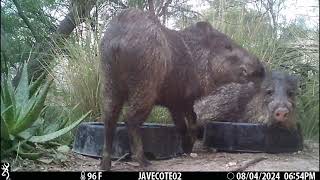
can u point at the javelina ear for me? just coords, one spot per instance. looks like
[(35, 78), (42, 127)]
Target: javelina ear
[(265, 68), (218, 43), (234, 59), (204, 27), (294, 79)]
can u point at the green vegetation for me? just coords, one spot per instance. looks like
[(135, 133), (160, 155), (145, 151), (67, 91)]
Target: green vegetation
[(61, 42), (22, 123)]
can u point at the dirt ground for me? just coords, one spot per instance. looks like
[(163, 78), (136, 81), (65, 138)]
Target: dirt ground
[(200, 160)]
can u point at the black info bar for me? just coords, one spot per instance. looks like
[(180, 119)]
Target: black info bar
[(164, 175)]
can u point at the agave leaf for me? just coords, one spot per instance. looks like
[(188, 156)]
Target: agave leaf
[(51, 136), (23, 121), (64, 122), (53, 118), (35, 85), (4, 130), (16, 146), (52, 127), (7, 100), (4, 109), (23, 110), (34, 113), (4, 126), (22, 90), (34, 129)]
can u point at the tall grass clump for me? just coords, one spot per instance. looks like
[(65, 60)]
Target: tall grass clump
[(308, 108), (77, 77)]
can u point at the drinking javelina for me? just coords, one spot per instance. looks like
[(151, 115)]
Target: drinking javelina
[(146, 64), (272, 104)]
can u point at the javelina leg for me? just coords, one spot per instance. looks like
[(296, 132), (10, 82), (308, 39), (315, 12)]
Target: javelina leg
[(193, 129), (138, 111), (179, 120), (112, 104), (110, 116)]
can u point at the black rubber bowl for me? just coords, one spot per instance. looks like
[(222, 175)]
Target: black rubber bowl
[(160, 141), (248, 137)]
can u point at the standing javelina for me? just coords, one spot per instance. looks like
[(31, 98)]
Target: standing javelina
[(272, 104), (146, 64)]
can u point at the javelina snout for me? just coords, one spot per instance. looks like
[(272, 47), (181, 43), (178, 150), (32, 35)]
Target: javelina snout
[(279, 98)]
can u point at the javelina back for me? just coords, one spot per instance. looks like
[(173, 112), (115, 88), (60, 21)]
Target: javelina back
[(146, 64), (273, 103), (226, 103)]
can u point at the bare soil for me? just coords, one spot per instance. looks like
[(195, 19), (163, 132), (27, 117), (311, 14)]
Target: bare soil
[(201, 160)]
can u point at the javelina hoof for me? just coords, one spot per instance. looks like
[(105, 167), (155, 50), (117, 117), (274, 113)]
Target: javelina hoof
[(105, 164), (144, 163)]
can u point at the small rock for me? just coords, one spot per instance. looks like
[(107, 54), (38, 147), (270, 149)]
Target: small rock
[(231, 164), (213, 150), (194, 155)]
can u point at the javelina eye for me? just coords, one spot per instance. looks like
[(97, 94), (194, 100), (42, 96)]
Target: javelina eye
[(244, 72), (290, 93), (269, 92)]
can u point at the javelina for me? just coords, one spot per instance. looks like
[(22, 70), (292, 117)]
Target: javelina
[(146, 64), (226, 103), (272, 104)]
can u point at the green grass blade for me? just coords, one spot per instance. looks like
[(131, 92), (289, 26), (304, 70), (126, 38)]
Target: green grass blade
[(32, 156), (35, 85)]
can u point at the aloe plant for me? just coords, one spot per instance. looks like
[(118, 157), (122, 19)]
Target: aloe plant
[(21, 108)]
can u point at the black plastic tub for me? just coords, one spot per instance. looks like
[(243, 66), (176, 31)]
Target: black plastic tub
[(248, 137), (160, 141)]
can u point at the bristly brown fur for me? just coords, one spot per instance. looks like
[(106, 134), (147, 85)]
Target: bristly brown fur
[(146, 64)]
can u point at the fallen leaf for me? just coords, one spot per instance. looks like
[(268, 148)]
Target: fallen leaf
[(133, 164), (63, 149), (45, 160)]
